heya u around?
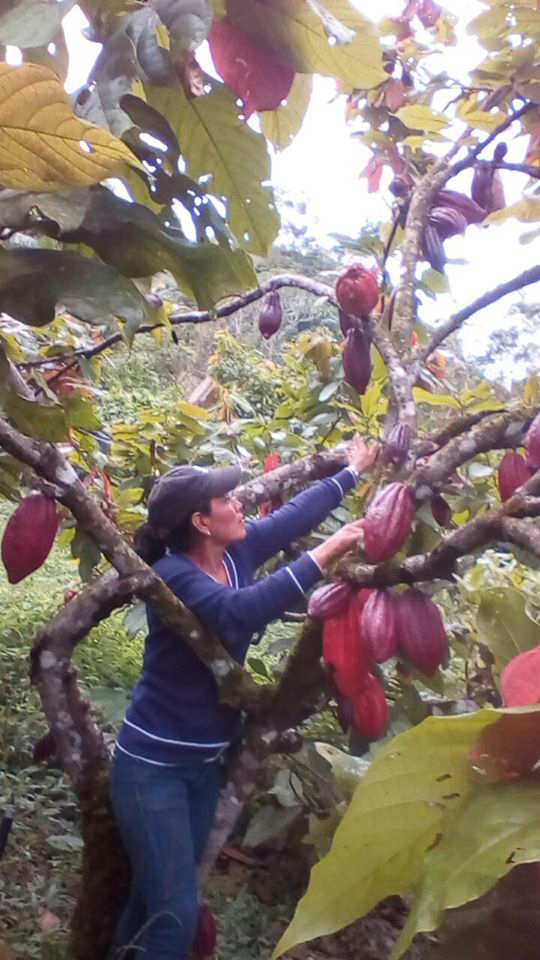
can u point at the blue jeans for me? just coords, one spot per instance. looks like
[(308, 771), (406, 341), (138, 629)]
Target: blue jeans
[(164, 815)]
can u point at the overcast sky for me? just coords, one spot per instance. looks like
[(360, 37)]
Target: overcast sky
[(323, 163)]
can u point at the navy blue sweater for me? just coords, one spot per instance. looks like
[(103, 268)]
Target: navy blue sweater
[(175, 713)]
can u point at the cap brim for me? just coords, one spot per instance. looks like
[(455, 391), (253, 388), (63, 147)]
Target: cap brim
[(222, 480)]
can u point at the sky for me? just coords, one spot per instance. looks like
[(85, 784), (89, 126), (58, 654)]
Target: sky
[(322, 169)]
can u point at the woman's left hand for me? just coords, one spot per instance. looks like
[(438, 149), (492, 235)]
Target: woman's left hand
[(360, 455)]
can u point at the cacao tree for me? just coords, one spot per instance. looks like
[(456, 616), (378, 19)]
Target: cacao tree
[(151, 167)]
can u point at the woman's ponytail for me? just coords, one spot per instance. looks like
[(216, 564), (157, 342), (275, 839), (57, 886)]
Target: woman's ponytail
[(149, 544)]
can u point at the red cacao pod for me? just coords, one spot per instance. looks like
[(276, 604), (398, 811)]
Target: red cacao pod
[(357, 291), (29, 536), (344, 649), (248, 68), (388, 522), (370, 709), (271, 316), (329, 600), (378, 625), (204, 941), (520, 679), (345, 322), (441, 510), (513, 472), (532, 444), (421, 633), (397, 444), (44, 749), (357, 360)]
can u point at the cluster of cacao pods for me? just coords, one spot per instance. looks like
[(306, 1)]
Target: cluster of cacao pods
[(450, 215), (357, 293), (271, 315), (368, 627), (29, 535), (388, 522)]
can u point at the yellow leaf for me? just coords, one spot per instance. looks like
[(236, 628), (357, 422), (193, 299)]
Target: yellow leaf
[(281, 126), (416, 116), (435, 399), (528, 211), (43, 146)]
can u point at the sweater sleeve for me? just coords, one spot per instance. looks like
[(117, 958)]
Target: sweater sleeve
[(225, 609), (297, 518)]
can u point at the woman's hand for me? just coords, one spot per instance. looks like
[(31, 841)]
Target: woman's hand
[(351, 535), (360, 455)]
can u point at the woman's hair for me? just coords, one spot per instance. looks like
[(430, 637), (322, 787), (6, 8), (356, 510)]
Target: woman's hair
[(150, 543)]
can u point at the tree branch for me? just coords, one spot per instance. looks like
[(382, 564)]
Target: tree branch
[(524, 533), (533, 172), (429, 445), (532, 275), (471, 156)]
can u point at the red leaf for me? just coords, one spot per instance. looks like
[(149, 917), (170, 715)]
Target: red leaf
[(248, 68), (29, 536), (373, 172), (520, 679), (394, 93), (272, 461)]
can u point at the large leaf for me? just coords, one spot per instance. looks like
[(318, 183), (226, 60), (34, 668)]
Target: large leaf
[(503, 625), (503, 924), (33, 282), (329, 38), (43, 146), (31, 23), (281, 126), (134, 240), (114, 73), (216, 143), (497, 828), (414, 785)]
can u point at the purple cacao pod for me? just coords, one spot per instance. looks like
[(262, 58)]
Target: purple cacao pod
[(421, 633), (378, 625), (532, 444), (397, 444), (513, 472), (388, 522), (346, 322), (329, 600), (441, 510), (271, 316), (357, 360)]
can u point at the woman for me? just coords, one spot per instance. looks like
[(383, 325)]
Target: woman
[(166, 771)]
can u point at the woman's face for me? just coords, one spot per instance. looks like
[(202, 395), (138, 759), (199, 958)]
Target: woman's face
[(225, 523)]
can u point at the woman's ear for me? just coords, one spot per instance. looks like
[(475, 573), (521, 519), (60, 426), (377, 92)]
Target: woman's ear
[(200, 522)]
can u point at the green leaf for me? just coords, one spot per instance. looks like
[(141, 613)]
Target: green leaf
[(33, 282), (281, 126), (65, 208), (496, 828), (35, 419), (435, 399), (188, 23), (113, 76), (418, 116), (503, 625), (32, 23), (216, 143), (299, 32), (415, 783)]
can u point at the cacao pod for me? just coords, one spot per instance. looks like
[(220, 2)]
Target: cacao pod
[(257, 77), (421, 633), (204, 941), (441, 510), (357, 291), (520, 679), (370, 710), (44, 748), (487, 187), (345, 322), (532, 444), (378, 625), (29, 536), (472, 212), (432, 248), (388, 522), (357, 360), (500, 152), (447, 221), (513, 472), (329, 600), (397, 444), (271, 316), (344, 649)]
